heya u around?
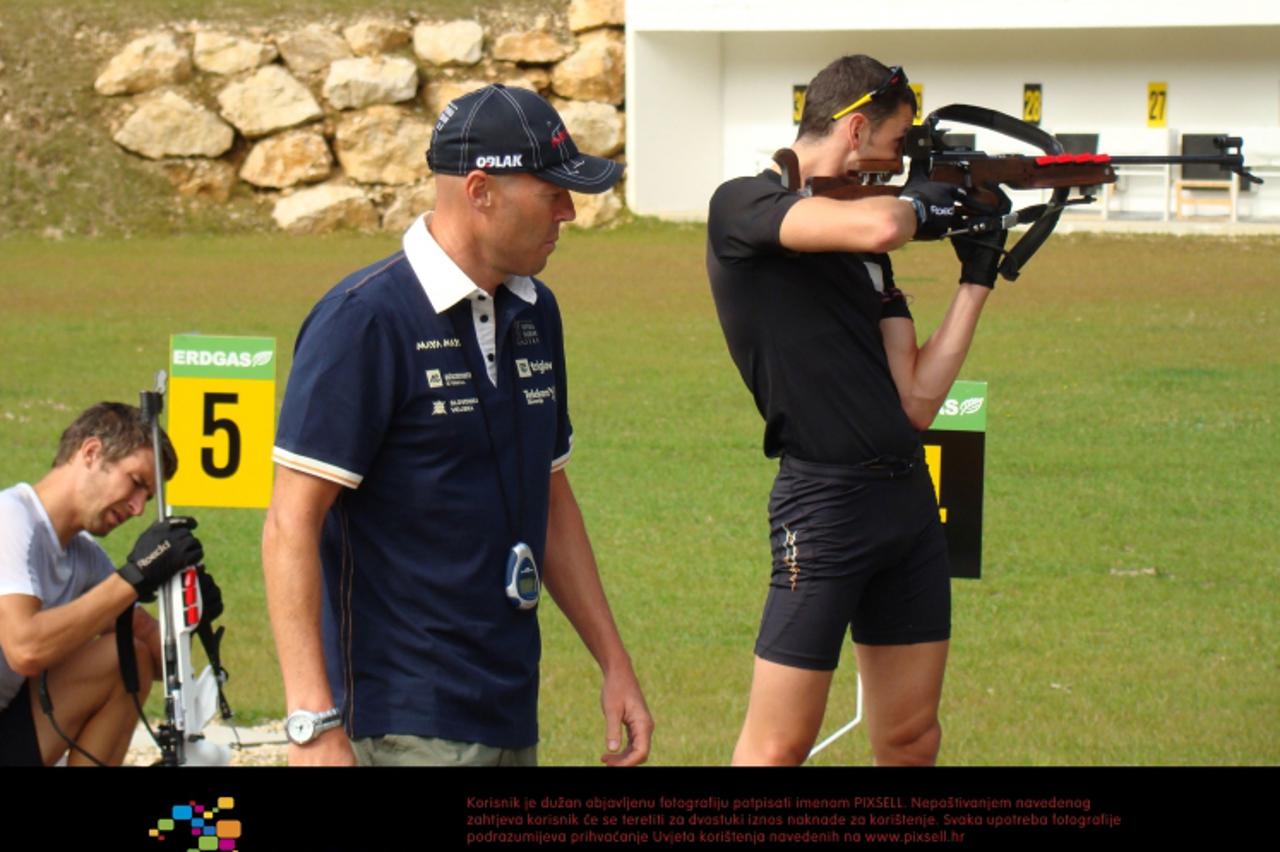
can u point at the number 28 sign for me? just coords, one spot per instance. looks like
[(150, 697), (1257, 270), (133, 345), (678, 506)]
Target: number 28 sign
[(222, 393)]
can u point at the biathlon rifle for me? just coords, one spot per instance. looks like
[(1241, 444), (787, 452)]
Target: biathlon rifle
[(984, 176), (190, 702)]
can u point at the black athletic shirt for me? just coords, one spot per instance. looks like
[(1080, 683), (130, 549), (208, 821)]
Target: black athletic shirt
[(804, 331)]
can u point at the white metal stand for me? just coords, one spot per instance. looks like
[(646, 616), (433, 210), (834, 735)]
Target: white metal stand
[(849, 726)]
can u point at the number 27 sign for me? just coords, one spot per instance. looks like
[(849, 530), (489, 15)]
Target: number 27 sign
[(222, 393)]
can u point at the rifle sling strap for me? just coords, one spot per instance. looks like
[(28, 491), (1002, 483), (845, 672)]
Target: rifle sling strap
[(1000, 122), (1014, 128), (124, 650), (212, 641)]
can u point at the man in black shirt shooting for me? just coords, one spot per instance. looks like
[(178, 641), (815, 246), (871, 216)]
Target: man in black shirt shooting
[(804, 290)]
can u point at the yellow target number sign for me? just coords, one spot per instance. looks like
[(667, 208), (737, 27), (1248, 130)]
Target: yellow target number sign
[(1032, 103), (1157, 104), (954, 449), (222, 394)]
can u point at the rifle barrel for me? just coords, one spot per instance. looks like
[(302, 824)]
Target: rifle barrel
[(1228, 162), (1178, 159)]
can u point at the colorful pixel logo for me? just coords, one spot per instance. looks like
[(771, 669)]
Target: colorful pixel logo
[(207, 830)]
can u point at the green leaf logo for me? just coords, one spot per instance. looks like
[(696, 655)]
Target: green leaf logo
[(971, 405), (264, 357)]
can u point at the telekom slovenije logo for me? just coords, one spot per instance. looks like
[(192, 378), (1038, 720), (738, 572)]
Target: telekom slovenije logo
[(199, 828)]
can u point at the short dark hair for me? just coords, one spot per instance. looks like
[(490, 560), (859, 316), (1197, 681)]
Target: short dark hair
[(122, 431), (843, 82)]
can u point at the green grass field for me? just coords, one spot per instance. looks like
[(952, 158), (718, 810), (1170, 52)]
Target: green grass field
[(1128, 610)]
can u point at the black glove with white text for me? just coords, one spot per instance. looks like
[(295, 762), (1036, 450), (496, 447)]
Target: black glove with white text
[(163, 549), (936, 205), (980, 256)]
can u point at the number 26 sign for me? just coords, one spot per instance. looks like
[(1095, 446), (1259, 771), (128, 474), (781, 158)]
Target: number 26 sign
[(222, 393)]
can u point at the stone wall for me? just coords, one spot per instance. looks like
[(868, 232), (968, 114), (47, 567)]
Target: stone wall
[(329, 122)]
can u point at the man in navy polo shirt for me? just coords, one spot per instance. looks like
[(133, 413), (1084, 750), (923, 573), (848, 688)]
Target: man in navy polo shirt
[(420, 464)]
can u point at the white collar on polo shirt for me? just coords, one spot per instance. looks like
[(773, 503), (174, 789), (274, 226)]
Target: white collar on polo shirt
[(442, 280)]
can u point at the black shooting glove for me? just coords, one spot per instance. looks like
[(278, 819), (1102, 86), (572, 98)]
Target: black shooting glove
[(936, 205), (980, 256), (163, 549)]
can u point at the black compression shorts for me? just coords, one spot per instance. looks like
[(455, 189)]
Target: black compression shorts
[(853, 547), (18, 743)]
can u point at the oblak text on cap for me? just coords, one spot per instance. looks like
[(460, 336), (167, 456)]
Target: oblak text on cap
[(500, 161)]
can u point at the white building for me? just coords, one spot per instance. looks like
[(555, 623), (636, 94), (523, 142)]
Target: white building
[(710, 83)]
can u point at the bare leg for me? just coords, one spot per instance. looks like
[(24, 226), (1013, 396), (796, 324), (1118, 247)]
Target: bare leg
[(783, 716), (903, 686), (90, 703)]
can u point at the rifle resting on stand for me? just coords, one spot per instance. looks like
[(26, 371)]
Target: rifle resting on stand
[(983, 175), (190, 702)]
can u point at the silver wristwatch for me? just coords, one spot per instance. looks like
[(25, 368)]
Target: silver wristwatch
[(303, 726)]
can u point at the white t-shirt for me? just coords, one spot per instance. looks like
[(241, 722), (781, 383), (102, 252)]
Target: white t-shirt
[(33, 562)]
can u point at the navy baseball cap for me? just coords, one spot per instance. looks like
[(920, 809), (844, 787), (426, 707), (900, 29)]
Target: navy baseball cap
[(503, 130)]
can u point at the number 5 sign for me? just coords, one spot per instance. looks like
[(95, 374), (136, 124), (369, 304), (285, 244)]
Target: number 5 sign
[(222, 393)]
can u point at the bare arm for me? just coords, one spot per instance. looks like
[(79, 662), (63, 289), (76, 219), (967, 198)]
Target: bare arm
[(571, 575), (35, 639), (291, 568), (924, 375), (878, 224)]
